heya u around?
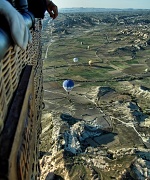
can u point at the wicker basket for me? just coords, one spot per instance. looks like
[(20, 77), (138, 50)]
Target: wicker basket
[(11, 68)]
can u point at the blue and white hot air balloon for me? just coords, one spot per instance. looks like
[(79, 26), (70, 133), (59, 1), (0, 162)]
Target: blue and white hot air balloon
[(68, 85)]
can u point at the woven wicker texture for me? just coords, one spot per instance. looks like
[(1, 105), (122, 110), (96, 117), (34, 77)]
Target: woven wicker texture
[(10, 70)]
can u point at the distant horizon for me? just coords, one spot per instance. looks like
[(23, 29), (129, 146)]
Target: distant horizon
[(97, 8), (113, 4)]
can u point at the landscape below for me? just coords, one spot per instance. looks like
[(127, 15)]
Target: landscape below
[(101, 129)]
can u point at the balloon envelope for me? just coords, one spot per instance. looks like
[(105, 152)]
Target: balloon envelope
[(68, 85), (75, 59), (90, 62)]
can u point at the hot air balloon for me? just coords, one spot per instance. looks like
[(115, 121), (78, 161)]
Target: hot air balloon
[(68, 85), (90, 62), (75, 59)]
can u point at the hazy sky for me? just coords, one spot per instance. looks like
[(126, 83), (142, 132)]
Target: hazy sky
[(142, 4)]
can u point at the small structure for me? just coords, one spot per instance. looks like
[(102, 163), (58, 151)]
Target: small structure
[(146, 70)]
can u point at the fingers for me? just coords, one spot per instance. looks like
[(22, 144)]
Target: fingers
[(55, 10), (51, 14), (52, 9)]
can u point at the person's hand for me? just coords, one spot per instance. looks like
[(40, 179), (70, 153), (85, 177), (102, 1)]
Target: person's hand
[(19, 31), (52, 9)]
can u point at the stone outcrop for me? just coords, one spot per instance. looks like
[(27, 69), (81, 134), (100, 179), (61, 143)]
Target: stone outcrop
[(86, 137)]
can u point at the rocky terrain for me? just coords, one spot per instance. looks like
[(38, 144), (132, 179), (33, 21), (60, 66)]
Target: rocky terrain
[(101, 129)]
